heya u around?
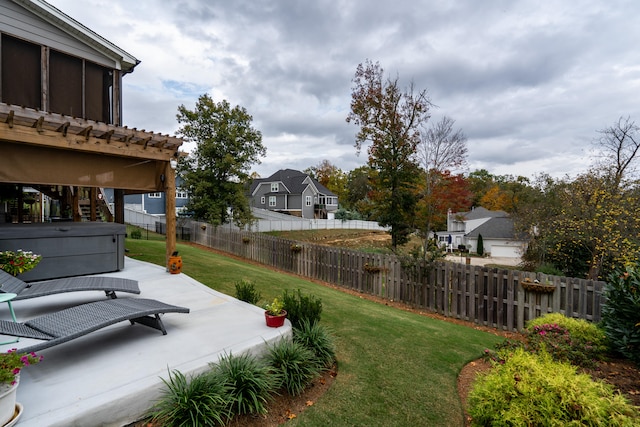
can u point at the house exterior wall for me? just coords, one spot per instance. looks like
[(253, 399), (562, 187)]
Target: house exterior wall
[(294, 202), (498, 247), (74, 76), (19, 22), (472, 224)]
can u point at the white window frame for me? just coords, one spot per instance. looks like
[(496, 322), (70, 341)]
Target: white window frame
[(308, 200), (263, 200), (272, 201), (181, 194), (275, 187), (155, 195)]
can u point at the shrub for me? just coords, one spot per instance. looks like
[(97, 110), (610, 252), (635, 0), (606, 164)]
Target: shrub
[(567, 339), (301, 307), (316, 338), (532, 389), (136, 234), (293, 365), (246, 291), (200, 402), (621, 312), (549, 269), (249, 383)]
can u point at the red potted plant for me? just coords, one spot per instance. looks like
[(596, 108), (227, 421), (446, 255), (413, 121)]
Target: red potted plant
[(275, 313)]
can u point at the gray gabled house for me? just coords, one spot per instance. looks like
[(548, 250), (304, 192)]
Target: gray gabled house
[(496, 228), (294, 193)]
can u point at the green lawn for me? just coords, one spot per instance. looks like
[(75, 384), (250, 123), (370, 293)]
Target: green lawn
[(395, 368)]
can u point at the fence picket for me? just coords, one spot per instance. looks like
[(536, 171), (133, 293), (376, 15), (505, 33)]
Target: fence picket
[(486, 296)]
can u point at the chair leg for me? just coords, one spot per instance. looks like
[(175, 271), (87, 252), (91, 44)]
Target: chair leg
[(13, 316), (152, 322)]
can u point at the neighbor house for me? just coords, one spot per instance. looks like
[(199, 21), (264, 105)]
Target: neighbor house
[(294, 193), (499, 237)]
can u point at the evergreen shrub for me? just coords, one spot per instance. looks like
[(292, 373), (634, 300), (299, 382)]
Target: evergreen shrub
[(533, 390)]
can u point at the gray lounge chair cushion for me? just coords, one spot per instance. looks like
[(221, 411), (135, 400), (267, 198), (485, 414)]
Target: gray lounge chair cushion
[(68, 324), (109, 285)]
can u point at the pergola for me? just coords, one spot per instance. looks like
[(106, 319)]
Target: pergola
[(41, 148)]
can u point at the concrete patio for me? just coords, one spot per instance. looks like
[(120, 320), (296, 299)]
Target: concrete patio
[(110, 377)]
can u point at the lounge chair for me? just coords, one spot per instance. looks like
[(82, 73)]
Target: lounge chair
[(68, 324), (24, 290)]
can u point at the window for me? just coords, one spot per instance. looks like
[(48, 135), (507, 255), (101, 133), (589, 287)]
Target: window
[(275, 187), (272, 201), (262, 200), (21, 73), (65, 84), (155, 195), (309, 200), (74, 86), (181, 194)]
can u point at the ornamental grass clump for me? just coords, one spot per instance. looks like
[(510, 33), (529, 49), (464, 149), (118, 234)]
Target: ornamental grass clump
[(18, 262), (249, 383), (199, 401), (12, 362), (534, 390), (318, 339), (293, 365)]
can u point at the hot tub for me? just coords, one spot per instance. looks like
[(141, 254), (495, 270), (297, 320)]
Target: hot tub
[(67, 249)]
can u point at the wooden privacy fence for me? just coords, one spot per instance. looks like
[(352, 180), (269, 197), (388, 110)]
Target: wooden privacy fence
[(486, 296)]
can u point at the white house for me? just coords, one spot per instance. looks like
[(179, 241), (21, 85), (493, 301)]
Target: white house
[(496, 228)]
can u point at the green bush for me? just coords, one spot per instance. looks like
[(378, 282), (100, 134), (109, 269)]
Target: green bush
[(136, 234), (533, 390), (549, 269), (318, 339), (567, 339), (621, 312), (202, 401), (301, 307), (249, 383), (246, 291), (293, 365)]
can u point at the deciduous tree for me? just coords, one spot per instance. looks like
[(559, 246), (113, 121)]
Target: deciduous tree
[(442, 149), (226, 147), (617, 150), (389, 119)]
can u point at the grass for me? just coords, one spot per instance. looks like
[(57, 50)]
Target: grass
[(395, 368)]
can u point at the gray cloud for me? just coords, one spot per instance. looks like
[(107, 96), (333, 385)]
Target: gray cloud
[(530, 83)]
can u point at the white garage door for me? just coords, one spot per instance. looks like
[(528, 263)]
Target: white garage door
[(504, 251)]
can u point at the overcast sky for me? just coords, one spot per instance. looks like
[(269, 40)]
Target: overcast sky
[(529, 82)]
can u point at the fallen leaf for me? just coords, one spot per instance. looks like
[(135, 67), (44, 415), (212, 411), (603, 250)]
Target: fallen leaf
[(291, 416), (309, 402)]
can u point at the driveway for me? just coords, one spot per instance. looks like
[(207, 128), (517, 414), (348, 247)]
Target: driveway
[(474, 260)]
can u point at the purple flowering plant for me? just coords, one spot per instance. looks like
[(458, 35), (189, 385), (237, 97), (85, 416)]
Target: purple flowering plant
[(12, 362)]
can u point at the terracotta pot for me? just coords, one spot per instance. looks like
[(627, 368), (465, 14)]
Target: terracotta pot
[(275, 321)]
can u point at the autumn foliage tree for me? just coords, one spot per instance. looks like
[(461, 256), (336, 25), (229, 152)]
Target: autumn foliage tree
[(331, 176), (450, 192), (389, 120), (591, 225), (595, 229)]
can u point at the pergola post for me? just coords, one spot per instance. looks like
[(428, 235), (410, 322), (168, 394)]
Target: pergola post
[(170, 210)]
